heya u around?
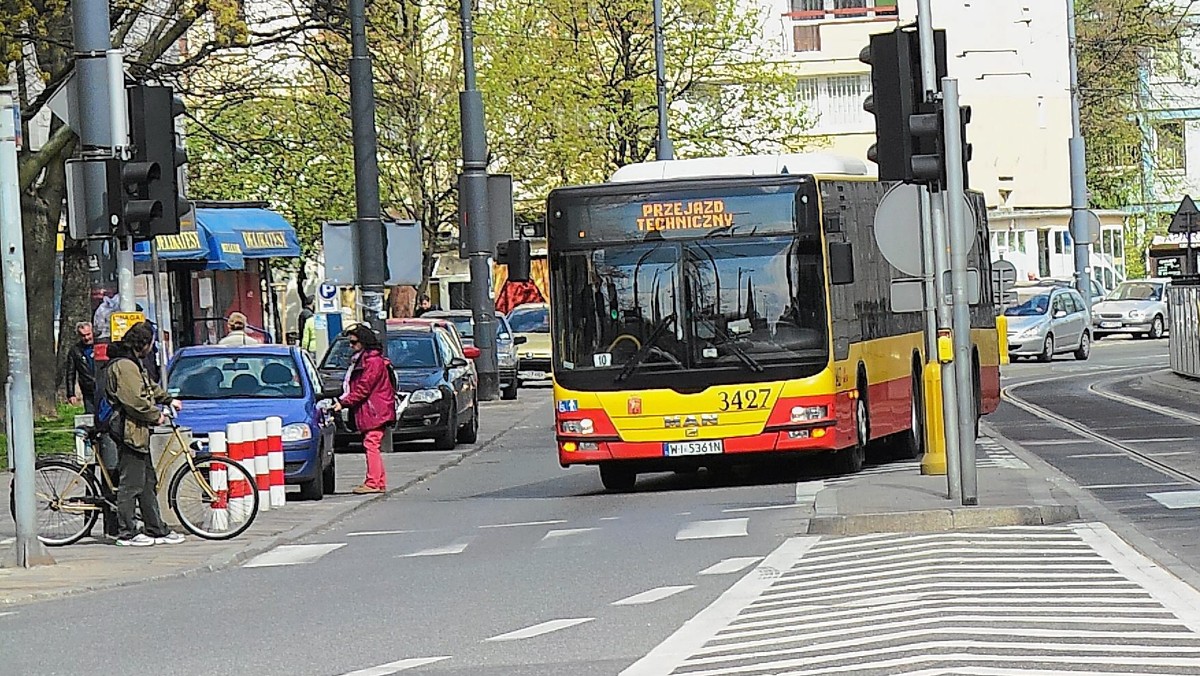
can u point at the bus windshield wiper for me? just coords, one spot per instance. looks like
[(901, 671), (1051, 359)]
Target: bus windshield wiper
[(737, 350), (646, 348)]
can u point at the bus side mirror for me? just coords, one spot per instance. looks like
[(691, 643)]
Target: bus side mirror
[(841, 263)]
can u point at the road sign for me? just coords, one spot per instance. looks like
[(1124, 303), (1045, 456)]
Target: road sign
[(328, 299), (1185, 219), (120, 322), (1004, 275), (898, 227)]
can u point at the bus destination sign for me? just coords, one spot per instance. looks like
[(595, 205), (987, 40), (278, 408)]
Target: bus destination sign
[(702, 214)]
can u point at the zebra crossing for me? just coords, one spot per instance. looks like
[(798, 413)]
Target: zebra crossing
[(1001, 601)]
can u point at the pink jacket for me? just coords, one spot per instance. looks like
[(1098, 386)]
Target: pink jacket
[(370, 395)]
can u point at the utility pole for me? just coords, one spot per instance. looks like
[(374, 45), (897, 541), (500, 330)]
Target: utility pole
[(29, 551), (664, 149), (474, 222), (1079, 197), (960, 248)]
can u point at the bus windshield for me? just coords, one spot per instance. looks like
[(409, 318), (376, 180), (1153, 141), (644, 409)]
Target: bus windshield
[(716, 303)]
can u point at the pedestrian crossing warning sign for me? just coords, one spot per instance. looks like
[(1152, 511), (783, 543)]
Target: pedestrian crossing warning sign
[(120, 322)]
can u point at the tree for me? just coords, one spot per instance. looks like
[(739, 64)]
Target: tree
[(36, 52)]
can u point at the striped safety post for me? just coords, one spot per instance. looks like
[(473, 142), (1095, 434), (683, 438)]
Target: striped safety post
[(218, 481), (262, 467), (239, 488), (275, 460)]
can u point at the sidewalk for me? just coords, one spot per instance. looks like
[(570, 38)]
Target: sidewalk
[(92, 565), (1015, 488)]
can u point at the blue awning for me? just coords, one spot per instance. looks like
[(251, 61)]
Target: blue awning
[(224, 238)]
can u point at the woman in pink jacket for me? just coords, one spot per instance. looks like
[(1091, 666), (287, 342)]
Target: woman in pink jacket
[(371, 396)]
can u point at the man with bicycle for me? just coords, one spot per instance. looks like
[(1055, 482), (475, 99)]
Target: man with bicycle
[(135, 401)]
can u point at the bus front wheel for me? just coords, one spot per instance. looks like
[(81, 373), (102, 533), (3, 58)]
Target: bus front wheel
[(617, 478)]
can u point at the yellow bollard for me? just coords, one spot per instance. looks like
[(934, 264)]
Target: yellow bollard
[(1002, 332), (934, 460)]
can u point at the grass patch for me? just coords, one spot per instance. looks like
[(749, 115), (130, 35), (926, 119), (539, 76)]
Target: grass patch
[(51, 436)]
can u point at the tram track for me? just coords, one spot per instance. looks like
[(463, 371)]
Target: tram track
[(1098, 388)]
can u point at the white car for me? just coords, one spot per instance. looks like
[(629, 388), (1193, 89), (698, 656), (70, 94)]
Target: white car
[(1137, 307)]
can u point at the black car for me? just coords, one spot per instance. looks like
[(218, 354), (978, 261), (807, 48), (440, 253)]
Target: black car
[(437, 388), (506, 345)]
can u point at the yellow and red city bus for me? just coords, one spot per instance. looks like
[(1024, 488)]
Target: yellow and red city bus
[(707, 320)]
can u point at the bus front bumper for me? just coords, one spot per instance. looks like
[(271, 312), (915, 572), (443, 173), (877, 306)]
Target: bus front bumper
[(579, 450)]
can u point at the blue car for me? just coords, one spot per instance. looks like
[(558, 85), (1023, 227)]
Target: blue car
[(226, 384)]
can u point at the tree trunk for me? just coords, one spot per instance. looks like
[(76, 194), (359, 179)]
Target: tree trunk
[(40, 266), (75, 305)]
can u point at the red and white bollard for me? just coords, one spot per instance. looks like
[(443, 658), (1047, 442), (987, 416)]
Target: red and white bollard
[(239, 488), (262, 466), (218, 481), (275, 461)]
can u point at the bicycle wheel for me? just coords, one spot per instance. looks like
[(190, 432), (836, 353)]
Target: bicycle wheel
[(66, 502), (206, 502)]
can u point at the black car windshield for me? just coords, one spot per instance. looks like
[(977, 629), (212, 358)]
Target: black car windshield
[(214, 376), (465, 327), (405, 350), (704, 304), (1136, 291), (1029, 305), (529, 320)]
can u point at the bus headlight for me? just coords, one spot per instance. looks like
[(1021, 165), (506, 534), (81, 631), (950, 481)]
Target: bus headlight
[(584, 426), (807, 413)]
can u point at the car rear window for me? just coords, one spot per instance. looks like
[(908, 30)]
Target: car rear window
[(213, 376), (529, 320), (405, 351)]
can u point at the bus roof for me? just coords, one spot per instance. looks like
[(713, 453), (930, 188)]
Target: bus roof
[(748, 165)]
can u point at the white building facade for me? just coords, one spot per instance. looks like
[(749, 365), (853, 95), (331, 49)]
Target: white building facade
[(1010, 59)]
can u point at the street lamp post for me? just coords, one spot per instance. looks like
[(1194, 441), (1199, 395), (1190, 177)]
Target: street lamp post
[(663, 150), (1079, 198)]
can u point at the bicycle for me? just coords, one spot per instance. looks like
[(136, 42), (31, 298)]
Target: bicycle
[(72, 493)]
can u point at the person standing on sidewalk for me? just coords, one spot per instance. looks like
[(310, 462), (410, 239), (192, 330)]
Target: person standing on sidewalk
[(370, 395), (81, 369), (236, 335), (135, 400)]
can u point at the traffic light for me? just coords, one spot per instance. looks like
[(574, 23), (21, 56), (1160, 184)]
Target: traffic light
[(152, 113), (131, 208), (908, 138)]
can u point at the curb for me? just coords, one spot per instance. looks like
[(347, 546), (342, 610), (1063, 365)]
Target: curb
[(941, 520), (252, 549)]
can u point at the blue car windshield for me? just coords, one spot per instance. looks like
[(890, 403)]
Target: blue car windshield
[(237, 376), (404, 351), (1034, 306)]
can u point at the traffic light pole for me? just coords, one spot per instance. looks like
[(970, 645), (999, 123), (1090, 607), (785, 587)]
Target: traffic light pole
[(664, 150), (474, 223), (960, 247), (1079, 200)]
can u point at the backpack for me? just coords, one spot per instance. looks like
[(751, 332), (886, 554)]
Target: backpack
[(106, 410)]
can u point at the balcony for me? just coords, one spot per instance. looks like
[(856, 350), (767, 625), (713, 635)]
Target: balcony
[(824, 10)]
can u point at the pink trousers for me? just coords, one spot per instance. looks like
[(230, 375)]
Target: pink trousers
[(376, 476)]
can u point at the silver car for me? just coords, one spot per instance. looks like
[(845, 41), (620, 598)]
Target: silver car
[(1138, 307), (1047, 321)]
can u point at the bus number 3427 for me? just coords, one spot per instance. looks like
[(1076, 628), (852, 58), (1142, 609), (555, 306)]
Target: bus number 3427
[(745, 400)]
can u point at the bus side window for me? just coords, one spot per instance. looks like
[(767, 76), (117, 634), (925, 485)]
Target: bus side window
[(841, 263)]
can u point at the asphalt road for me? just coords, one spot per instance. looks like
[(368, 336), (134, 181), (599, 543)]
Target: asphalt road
[(1141, 463), (504, 543)]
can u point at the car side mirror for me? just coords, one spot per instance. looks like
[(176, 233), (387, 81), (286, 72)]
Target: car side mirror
[(841, 263), (1059, 314), (520, 340), (471, 352), (457, 363)]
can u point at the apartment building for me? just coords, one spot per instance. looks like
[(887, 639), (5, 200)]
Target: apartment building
[(1010, 58)]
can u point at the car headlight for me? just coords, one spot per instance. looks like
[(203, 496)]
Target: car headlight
[(805, 413), (297, 432), (425, 396), (1136, 314)]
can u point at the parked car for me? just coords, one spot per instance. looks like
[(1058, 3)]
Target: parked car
[(1137, 307), (532, 322), (228, 384), (506, 345), (1098, 290), (1047, 321), (437, 387)]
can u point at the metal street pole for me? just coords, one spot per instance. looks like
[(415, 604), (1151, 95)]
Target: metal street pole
[(664, 149), (370, 254), (91, 28), (29, 551), (1079, 197), (960, 247), (474, 222)]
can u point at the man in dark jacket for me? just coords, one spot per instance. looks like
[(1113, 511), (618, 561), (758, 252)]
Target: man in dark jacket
[(81, 369), (135, 399)]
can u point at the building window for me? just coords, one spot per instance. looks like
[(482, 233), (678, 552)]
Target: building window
[(837, 102), (806, 38), (807, 6), (806, 89), (1062, 242), (1170, 146)]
